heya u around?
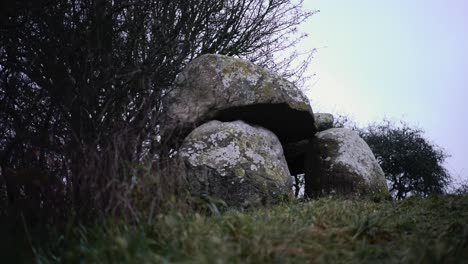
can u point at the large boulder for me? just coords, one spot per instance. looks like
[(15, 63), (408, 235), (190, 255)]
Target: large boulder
[(216, 87), (238, 163), (340, 161)]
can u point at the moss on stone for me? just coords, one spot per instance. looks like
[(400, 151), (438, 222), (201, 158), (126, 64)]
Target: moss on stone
[(235, 66), (264, 90), (342, 173), (301, 106), (253, 168), (239, 171)]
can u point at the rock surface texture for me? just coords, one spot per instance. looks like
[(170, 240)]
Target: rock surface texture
[(323, 121), (216, 87), (341, 162), (236, 162)]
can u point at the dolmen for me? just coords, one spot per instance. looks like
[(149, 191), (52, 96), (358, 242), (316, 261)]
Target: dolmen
[(241, 131)]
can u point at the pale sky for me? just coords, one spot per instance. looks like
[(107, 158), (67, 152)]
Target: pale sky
[(401, 60)]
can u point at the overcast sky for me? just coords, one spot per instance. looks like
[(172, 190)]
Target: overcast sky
[(400, 59)]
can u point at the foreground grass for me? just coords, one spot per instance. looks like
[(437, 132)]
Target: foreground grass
[(432, 230)]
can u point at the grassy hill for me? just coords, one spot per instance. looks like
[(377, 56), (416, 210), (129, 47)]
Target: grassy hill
[(416, 230)]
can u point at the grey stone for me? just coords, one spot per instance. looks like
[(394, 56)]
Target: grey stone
[(323, 121), (238, 163), (216, 87), (339, 161)]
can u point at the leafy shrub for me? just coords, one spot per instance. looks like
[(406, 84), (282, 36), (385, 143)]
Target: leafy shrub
[(412, 164)]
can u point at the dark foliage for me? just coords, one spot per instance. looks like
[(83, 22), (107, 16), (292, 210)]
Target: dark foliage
[(81, 83), (461, 188), (412, 164)]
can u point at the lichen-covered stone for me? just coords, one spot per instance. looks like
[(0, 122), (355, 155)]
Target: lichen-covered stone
[(238, 163), (323, 121), (216, 87), (339, 161)]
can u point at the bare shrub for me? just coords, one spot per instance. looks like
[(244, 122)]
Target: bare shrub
[(81, 84)]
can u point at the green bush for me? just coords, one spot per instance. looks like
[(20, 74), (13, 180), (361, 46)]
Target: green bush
[(412, 164)]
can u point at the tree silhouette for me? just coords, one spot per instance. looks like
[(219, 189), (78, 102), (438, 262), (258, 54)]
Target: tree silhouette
[(412, 165)]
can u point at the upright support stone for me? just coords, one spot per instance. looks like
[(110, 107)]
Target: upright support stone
[(238, 163), (341, 162)]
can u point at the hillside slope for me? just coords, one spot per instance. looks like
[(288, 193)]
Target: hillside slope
[(416, 230)]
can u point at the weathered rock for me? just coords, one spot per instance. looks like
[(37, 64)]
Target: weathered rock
[(216, 87), (238, 163), (339, 161), (323, 121)]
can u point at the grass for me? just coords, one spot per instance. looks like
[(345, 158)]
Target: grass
[(416, 230)]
